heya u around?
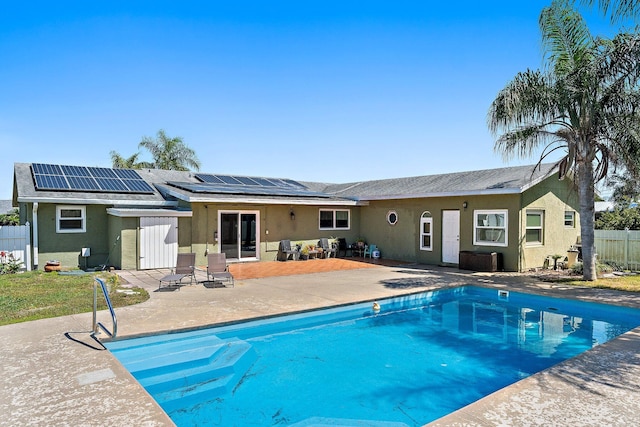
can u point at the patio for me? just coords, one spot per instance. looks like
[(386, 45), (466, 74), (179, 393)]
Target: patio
[(55, 374)]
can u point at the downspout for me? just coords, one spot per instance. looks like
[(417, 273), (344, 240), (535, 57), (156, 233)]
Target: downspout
[(35, 235)]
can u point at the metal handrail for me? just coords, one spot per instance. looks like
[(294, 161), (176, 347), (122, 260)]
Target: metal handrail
[(97, 325)]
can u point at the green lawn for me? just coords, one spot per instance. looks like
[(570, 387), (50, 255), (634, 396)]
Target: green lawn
[(629, 283), (39, 295)]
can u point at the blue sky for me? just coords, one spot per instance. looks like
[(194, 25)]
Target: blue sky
[(333, 91)]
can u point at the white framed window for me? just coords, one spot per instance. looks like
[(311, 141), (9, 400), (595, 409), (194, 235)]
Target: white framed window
[(335, 219), (71, 219), (490, 227), (569, 219), (392, 217), (534, 232), (426, 231)]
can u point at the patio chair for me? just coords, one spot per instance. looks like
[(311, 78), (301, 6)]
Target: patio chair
[(285, 252), (217, 268), (185, 266), (370, 249), (342, 247), (327, 248)]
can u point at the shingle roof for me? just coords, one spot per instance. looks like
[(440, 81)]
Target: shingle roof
[(489, 181), (6, 206), (507, 180)]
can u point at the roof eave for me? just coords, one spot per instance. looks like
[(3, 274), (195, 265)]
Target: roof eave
[(492, 192), (81, 201)]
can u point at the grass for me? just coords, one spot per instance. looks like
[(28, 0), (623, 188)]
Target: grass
[(39, 295), (629, 283)]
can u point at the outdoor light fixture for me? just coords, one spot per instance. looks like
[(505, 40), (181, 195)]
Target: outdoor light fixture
[(292, 214), (464, 204)]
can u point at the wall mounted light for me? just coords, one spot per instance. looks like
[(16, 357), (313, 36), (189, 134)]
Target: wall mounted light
[(464, 204), (292, 214)]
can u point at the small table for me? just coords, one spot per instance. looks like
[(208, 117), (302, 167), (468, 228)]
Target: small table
[(172, 279)]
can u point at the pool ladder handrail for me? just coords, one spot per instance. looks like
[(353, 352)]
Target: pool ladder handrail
[(97, 325)]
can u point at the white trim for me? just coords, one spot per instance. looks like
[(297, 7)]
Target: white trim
[(392, 212), (540, 228), (219, 233), (426, 220), (77, 201), (82, 218), (334, 226), (138, 213), (504, 228)]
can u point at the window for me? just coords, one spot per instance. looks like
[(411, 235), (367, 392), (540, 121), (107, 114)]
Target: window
[(490, 227), (392, 217), (569, 219), (334, 219), (533, 233), (426, 231), (70, 219)]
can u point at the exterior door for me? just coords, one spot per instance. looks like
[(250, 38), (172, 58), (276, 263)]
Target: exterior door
[(450, 237), (239, 235), (158, 242)]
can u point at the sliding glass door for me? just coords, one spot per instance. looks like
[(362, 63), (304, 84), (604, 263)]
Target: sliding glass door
[(238, 231)]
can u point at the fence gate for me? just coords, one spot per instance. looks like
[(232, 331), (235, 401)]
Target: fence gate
[(621, 247), (16, 240), (158, 242)]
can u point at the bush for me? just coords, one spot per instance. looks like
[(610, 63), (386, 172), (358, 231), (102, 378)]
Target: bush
[(9, 264), (578, 268), (12, 218)]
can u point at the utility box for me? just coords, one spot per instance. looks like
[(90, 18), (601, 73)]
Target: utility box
[(480, 261), (85, 252)]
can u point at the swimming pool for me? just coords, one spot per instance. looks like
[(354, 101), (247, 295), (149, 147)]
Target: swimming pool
[(420, 357)]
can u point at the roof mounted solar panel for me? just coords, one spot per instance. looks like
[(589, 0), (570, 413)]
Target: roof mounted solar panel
[(81, 178), (209, 188)]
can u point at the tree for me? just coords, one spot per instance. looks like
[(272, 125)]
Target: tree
[(131, 162), (618, 9), (583, 103), (170, 153)]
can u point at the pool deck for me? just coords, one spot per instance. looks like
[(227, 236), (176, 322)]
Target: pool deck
[(54, 373)]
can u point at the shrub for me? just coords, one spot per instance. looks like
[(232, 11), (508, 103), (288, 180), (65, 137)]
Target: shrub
[(9, 264)]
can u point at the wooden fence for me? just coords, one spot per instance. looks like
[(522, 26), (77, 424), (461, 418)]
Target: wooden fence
[(621, 247), (17, 241)]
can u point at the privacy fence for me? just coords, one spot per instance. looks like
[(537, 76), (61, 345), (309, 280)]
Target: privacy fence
[(620, 247), (15, 240)]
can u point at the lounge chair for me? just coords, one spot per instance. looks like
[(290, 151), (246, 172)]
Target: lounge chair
[(217, 268), (285, 252), (185, 266), (327, 248)]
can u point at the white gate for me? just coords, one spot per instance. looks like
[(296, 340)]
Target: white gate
[(16, 240), (158, 242), (450, 237)]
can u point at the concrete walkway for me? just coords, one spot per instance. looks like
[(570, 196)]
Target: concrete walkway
[(53, 373)]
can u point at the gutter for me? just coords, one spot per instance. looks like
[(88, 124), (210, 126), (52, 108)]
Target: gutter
[(34, 236)]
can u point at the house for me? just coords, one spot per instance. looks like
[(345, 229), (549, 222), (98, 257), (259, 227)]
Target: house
[(88, 216)]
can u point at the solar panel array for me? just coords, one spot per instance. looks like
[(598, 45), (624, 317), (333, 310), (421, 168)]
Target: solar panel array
[(81, 178), (227, 184)]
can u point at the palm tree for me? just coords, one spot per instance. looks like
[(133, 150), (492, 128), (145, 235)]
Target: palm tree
[(170, 153), (131, 162), (618, 9), (584, 103)]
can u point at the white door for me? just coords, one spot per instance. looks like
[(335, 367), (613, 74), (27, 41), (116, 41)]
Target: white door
[(450, 237), (158, 242)]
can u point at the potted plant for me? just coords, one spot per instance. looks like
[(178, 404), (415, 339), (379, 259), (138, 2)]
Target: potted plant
[(304, 253)]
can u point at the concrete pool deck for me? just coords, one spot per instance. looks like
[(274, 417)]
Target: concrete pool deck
[(54, 373)]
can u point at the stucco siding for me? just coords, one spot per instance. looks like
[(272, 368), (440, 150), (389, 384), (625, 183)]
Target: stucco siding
[(554, 197), (66, 247)]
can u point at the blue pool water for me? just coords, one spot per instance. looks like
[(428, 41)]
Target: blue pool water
[(420, 357)]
